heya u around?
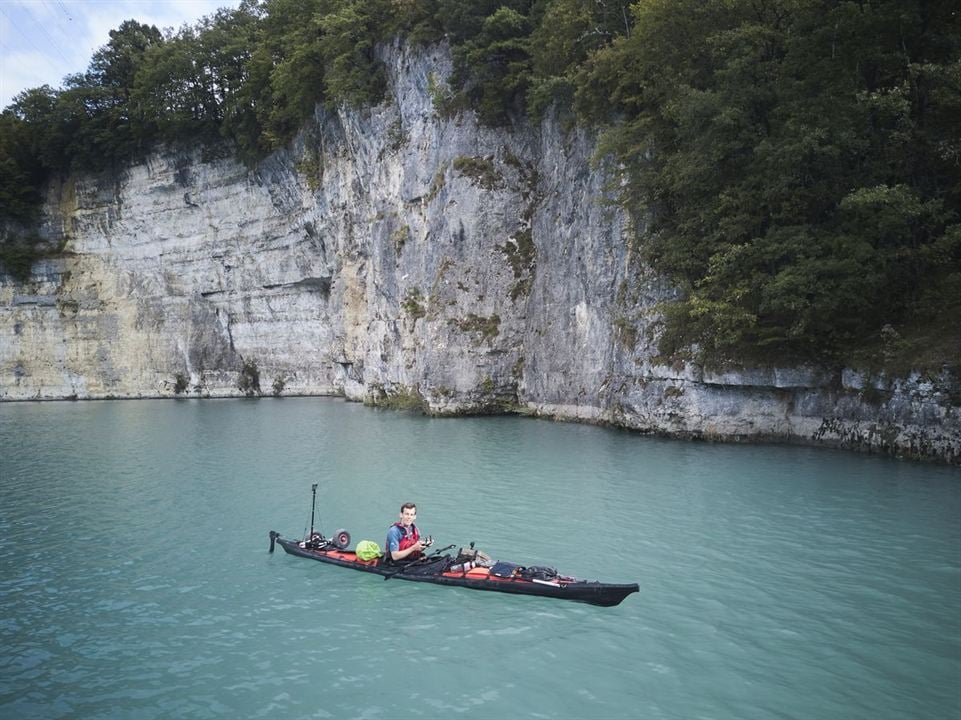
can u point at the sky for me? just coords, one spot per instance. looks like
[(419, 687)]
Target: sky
[(42, 41)]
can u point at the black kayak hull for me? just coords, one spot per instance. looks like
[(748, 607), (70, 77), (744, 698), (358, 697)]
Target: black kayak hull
[(585, 591)]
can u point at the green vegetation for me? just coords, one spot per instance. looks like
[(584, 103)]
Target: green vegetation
[(18, 258), (399, 237), (479, 169), (673, 391), (444, 100), (18, 254), (249, 381), (436, 186), (181, 384), (400, 397), (522, 257), (521, 253), (396, 136), (280, 382), (251, 75), (800, 164), (67, 307), (486, 328), (311, 167), (797, 165), (625, 331), (413, 304)]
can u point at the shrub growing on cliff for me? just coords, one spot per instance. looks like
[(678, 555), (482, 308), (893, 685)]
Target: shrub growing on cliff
[(181, 383), (485, 329), (249, 381), (18, 259), (18, 254), (479, 169), (400, 397), (413, 304)]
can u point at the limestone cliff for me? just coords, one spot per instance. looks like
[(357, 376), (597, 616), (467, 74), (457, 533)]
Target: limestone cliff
[(390, 252)]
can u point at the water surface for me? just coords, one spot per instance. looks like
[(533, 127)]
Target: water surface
[(776, 582)]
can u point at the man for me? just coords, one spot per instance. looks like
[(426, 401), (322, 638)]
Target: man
[(403, 539)]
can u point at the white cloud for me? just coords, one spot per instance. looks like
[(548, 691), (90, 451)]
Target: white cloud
[(26, 69)]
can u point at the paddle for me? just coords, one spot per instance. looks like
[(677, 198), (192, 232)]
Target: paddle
[(421, 559)]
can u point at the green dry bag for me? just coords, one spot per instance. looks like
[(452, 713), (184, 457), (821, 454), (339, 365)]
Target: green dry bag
[(368, 550)]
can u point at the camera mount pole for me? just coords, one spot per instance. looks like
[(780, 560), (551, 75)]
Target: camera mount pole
[(313, 504)]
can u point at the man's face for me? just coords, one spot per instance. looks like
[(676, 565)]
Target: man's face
[(407, 516)]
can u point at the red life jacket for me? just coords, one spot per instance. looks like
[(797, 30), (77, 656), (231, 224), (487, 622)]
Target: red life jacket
[(408, 538)]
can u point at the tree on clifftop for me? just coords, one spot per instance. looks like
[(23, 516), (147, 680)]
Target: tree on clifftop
[(800, 164)]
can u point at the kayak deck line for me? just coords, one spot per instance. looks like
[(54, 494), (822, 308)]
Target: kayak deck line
[(437, 569), (477, 578)]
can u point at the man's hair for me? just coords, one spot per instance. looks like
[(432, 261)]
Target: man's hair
[(408, 506)]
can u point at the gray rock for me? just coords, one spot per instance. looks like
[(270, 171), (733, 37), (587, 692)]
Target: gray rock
[(390, 252)]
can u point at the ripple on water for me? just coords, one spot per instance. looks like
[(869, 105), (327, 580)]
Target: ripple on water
[(775, 582)]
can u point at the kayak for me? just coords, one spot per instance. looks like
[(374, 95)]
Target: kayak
[(471, 569), (441, 569)]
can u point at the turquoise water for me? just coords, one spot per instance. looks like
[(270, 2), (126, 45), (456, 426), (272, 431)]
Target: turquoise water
[(776, 582)]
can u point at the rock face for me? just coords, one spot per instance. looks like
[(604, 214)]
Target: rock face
[(393, 254)]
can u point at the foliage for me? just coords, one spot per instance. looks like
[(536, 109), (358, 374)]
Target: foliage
[(19, 178), (18, 259), (252, 75), (566, 34), (799, 162), (181, 384), (249, 381), (479, 169), (19, 252), (352, 74), (399, 397), (484, 328), (413, 304), (493, 65), (399, 237), (311, 166)]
